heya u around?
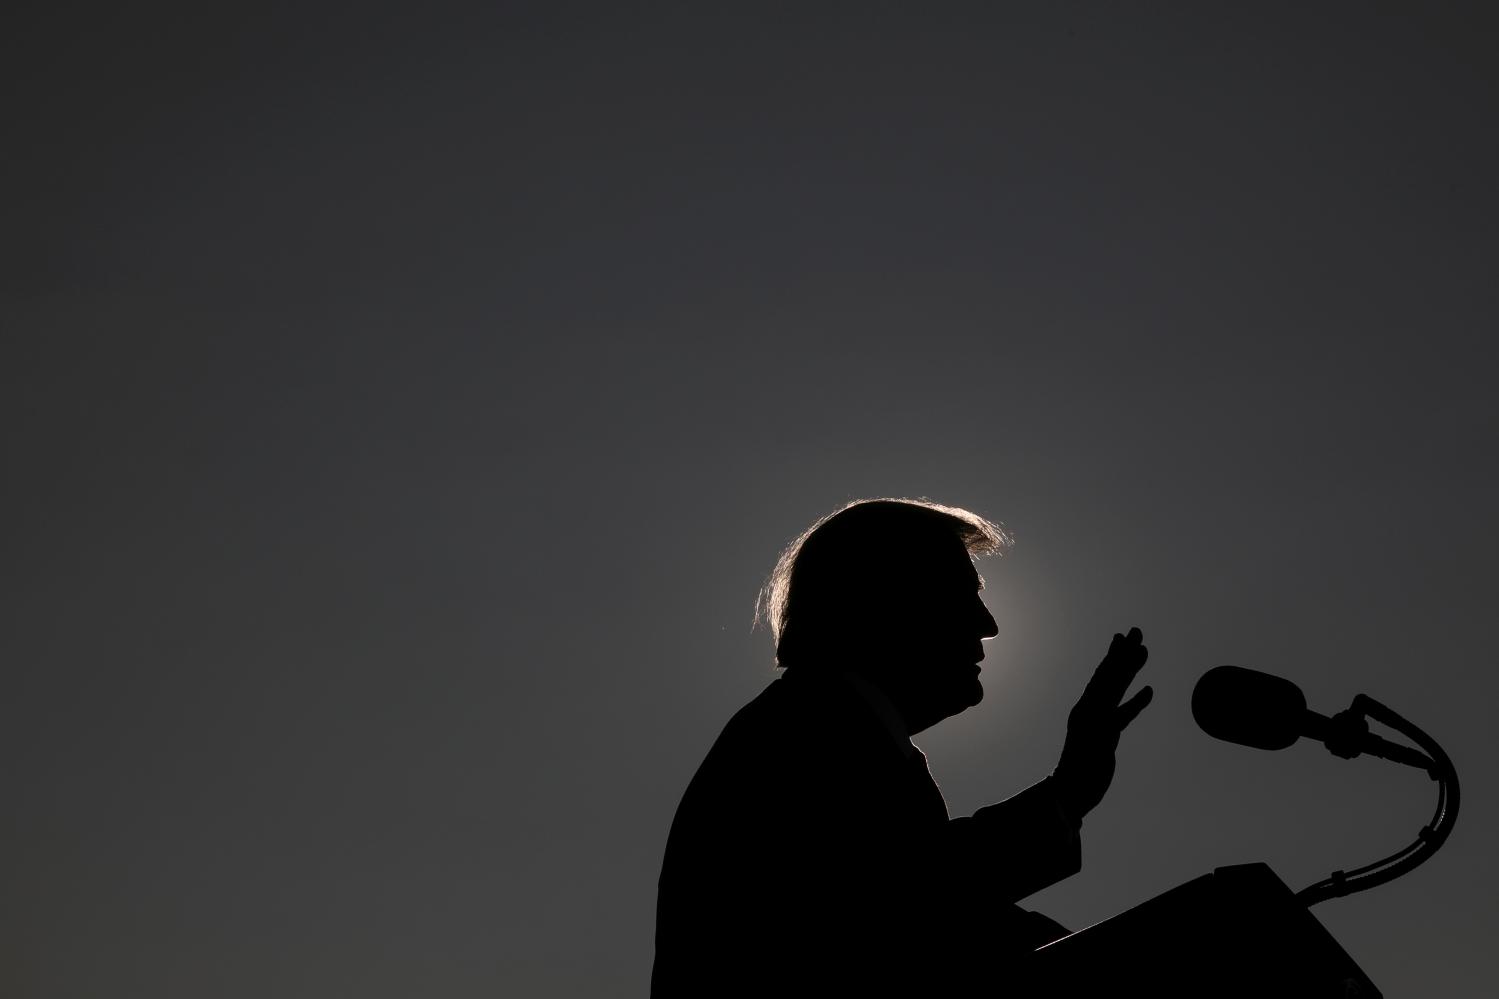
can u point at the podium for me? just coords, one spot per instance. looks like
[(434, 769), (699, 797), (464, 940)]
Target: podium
[(1237, 932)]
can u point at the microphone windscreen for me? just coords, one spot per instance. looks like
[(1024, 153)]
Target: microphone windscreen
[(1248, 707)]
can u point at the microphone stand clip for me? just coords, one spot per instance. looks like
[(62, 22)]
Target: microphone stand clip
[(1346, 733)]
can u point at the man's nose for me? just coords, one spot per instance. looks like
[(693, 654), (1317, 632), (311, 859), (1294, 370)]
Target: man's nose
[(988, 627)]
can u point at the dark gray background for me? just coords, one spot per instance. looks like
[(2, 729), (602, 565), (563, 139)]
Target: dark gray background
[(402, 409)]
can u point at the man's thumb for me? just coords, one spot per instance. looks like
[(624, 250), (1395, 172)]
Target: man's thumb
[(1132, 707)]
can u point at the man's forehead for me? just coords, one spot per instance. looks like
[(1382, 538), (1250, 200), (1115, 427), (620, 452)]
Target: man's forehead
[(951, 562), (974, 576)]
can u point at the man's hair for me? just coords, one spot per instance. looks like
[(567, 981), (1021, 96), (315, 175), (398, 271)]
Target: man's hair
[(855, 564)]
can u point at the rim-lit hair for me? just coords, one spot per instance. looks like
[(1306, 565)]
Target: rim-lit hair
[(814, 581)]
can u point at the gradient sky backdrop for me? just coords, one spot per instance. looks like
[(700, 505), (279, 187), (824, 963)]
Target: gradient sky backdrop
[(403, 407)]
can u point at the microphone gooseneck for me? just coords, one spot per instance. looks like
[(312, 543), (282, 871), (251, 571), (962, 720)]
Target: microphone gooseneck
[(1431, 837)]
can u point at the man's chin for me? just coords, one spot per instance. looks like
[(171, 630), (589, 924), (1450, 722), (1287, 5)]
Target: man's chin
[(968, 696)]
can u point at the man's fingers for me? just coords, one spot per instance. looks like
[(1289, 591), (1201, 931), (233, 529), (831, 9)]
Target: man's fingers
[(1117, 671), (1132, 707), (1124, 648)]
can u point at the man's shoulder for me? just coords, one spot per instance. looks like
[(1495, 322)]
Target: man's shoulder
[(778, 717), (802, 739)]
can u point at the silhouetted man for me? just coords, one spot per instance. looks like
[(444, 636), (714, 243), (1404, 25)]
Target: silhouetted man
[(812, 852)]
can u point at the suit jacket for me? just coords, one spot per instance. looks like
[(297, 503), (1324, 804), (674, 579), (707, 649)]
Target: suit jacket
[(811, 854)]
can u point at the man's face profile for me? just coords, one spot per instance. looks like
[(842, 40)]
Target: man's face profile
[(927, 648)]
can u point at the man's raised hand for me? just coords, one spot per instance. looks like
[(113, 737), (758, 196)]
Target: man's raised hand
[(1087, 765)]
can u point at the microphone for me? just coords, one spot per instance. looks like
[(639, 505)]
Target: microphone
[(1267, 712), (1251, 708)]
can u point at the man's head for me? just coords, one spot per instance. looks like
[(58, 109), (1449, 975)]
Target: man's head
[(887, 588)]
